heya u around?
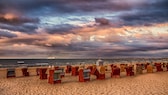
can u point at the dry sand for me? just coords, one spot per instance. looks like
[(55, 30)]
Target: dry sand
[(145, 84)]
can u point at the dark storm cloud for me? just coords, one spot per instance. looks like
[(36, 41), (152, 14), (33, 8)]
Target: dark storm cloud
[(147, 18), (7, 34), (26, 28), (59, 29), (65, 5), (147, 12), (156, 12)]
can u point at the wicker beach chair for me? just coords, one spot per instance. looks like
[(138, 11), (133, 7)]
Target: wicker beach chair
[(149, 68), (129, 71), (18, 72), (158, 67), (122, 67), (115, 72), (54, 76), (68, 69), (3, 72), (75, 71), (84, 75), (138, 69), (99, 72), (25, 72), (10, 73), (42, 73)]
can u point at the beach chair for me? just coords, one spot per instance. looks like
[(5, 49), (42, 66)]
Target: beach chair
[(3, 72), (18, 72), (122, 67), (101, 72), (138, 69), (54, 76), (68, 69), (32, 71), (149, 68), (129, 71), (115, 72), (158, 67), (164, 67), (62, 74), (25, 72), (84, 75), (75, 71), (10, 73), (42, 73)]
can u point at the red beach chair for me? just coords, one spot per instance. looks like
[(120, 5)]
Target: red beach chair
[(84, 75), (115, 72), (42, 73), (24, 71), (158, 67), (68, 68), (99, 75), (75, 71), (129, 71), (54, 76)]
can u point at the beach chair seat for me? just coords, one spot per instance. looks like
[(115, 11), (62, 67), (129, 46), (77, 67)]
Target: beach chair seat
[(101, 77), (84, 75), (10, 73), (123, 74)]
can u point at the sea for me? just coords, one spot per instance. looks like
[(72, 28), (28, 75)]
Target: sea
[(59, 62)]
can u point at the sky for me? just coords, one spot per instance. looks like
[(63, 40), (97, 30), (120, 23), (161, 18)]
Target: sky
[(83, 28)]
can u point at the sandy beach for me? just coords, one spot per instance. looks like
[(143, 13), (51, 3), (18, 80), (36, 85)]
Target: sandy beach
[(144, 84)]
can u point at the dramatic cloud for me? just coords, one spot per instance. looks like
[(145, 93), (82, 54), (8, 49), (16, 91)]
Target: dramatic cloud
[(83, 28)]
